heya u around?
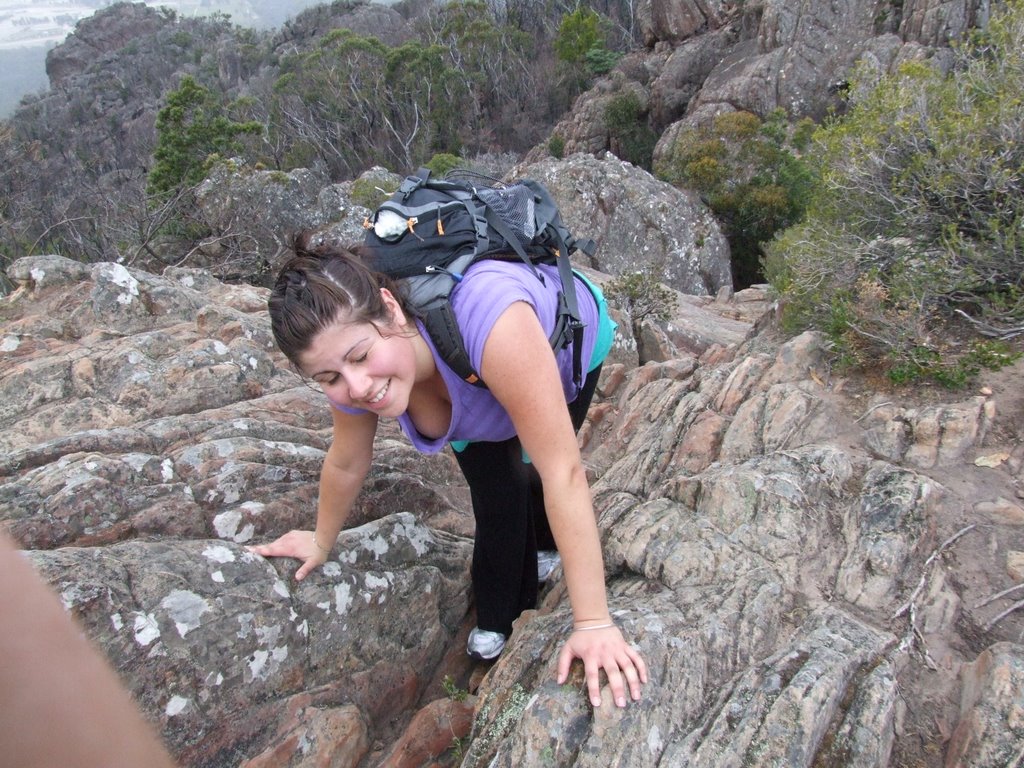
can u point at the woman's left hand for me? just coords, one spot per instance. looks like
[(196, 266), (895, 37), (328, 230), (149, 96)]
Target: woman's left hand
[(604, 649)]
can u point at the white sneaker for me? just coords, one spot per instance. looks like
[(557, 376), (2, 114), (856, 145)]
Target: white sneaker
[(484, 644), (547, 561)]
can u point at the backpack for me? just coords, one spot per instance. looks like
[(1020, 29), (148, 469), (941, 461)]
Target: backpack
[(428, 233)]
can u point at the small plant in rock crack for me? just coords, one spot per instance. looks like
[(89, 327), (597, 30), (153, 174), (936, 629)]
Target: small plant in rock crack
[(452, 691)]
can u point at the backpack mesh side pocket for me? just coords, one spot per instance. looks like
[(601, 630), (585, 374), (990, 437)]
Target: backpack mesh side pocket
[(515, 205)]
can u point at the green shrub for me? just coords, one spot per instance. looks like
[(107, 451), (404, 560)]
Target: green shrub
[(743, 168), (443, 162), (556, 146), (600, 61), (632, 139), (912, 240)]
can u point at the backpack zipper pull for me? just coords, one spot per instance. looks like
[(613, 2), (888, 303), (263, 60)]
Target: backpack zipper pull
[(431, 269)]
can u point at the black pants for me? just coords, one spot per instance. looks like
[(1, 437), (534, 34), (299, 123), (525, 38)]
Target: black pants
[(511, 524)]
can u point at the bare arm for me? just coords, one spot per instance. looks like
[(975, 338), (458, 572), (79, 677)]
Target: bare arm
[(521, 372), (345, 468), (60, 701)]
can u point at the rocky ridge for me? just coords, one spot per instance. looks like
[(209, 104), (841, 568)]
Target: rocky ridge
[(815, 573), (703, 58)]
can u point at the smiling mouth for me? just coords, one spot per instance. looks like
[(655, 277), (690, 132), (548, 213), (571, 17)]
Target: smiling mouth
[(380, 395)]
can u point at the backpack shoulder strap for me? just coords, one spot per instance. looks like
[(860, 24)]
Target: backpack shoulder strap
[(444, 331)]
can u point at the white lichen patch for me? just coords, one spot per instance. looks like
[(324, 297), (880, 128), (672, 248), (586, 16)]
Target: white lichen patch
[(377, 584), (167, 470), (9, 343), (254, 363), (220, 347), (176, 706), (185, 609), (230, 478), (246, 622), (217, 576), (349, 557), (72, 595), (262, 664), (331, 569), (227, 523), (377, 546), (116, 621), (268, 635), (343, 598), (257, 663), (137, 461), (146, 629), (419, 537), (655, 744), (240, 424), (120, 276), (218, 553), (282, 589)]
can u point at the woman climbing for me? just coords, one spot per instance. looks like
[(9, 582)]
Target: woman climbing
[(349, 329)]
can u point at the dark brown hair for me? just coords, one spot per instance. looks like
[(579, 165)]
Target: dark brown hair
[(316, 286)]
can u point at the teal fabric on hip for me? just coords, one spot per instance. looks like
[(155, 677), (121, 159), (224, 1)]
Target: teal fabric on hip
[(605, 326)]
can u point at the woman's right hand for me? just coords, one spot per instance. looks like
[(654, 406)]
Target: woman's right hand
[(298, 544)]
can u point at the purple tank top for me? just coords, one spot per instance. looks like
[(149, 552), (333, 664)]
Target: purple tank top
[(488, 289)]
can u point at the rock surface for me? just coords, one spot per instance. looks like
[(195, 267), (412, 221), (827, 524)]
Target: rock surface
[(637, 221), (704, 58), (816, 573)]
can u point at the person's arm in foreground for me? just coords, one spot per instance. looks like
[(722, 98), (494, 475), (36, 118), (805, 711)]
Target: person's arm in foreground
[(345, 468), (61, 704), (521, 373)]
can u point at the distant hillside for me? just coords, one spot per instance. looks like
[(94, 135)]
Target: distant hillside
[(29, 30)]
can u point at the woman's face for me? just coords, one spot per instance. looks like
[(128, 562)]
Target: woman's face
[(363, 366)]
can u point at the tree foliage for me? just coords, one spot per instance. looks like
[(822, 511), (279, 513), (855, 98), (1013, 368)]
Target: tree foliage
[(632, 138), (749, 172), (191, 129), (579, 33), (502, 66), (353, 102), (917, 213)]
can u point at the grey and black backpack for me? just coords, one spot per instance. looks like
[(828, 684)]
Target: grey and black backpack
[(428, 233)]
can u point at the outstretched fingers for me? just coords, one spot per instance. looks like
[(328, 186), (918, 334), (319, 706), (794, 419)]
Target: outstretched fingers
[(300, 545), (605, 650)]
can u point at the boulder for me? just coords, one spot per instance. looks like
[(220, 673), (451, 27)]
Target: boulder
[(674, 21), (637, 221)]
